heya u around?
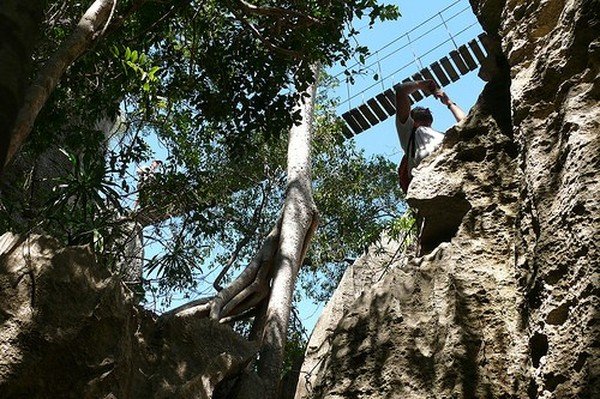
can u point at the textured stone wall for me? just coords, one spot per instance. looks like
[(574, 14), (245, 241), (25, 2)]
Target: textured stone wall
[(505, 302), (69, 329), (553, 48), (368, 270)]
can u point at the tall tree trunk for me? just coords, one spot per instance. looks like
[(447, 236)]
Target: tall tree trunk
[(298, 224), (19, 27), (85, 33), (277, 261)]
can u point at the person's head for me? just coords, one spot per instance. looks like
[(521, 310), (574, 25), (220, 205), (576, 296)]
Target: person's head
[(421, 116)]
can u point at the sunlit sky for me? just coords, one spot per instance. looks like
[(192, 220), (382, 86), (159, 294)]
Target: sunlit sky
[(425, 32)]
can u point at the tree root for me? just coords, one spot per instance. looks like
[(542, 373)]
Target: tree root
[(247, 291), (252, 280)]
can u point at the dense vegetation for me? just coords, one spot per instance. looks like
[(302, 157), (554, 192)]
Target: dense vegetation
[(209, 88)]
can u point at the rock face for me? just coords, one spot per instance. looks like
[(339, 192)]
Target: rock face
[(69, 329), (504, 304), (370, 269)]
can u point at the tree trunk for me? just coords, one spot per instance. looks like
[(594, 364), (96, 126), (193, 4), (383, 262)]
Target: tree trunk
[(87, 30), (277, 261), (298, 223), (19, 26)]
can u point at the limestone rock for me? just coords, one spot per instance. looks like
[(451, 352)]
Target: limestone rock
[(368, 270), (69, 329), (504, 303)]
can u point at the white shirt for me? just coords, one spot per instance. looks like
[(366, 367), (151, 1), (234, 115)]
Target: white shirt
[(426, 141)]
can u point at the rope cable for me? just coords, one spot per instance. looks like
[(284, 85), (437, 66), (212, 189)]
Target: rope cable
[(410, 31), (408, 64), (448, 30), (412, 50), (401, 47)]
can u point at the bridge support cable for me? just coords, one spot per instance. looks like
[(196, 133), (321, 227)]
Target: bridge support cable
[(414, 39)]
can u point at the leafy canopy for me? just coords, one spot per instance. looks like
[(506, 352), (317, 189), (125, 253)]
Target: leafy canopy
[(212, 84)]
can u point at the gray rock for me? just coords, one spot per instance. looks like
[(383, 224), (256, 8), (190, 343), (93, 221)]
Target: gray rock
[(70, 329), (368, 270), (504, 303)]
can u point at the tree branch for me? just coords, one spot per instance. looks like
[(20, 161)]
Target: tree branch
[(270, 45), (276, 12), (88, 29), (255, 222)]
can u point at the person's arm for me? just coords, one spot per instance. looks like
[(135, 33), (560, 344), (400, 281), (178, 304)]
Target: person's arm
[(458, 113), (402, 92)]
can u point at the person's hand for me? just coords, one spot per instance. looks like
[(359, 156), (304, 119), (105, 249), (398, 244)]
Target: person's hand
[(428, 86), (442, 96)]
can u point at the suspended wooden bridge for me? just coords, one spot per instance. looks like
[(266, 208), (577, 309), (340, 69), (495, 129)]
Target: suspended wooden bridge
[(466, 58)]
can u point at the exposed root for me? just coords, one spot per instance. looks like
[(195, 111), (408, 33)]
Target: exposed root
[(252, 294), (244, 284), (248, 290), (239, 316), (241, 298), (197, 308)]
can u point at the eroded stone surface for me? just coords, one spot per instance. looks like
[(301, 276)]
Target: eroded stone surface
[(368, 270), (505, 303), (69, 329)]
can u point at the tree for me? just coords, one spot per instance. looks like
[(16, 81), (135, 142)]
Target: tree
[(215, 82)]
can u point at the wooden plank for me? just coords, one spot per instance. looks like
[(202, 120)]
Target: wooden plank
[(486, 42), (415, 95), (367, 113), (346, 131), (459, 62), (477, 51), (387, 105), (360, 119), (449, 69), (437, 69), (356, 129), (391, 96), (376, 108), (418, 76), (466, 56), (428, 75)]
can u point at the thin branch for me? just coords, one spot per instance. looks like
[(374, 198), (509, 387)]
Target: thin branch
[(255, 223), (161, 19), (270, 45), (276, 12), (128, 13), (110, 17), (243, 242)]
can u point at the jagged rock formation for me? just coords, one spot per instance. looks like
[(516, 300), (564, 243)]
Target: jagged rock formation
[(69, 329), (368, 270), (504, 304)]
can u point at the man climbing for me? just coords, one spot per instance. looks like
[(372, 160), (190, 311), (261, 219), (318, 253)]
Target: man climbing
[(417, 138)]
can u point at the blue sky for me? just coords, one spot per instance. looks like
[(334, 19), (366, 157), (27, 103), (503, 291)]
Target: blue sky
[(422, 35), (414, 38)]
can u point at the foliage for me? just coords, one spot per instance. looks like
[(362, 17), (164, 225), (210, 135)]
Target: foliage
[(195, 78)]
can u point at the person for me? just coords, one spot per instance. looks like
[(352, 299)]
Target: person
[(417, 138)]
